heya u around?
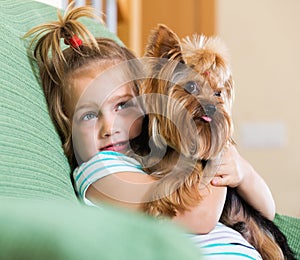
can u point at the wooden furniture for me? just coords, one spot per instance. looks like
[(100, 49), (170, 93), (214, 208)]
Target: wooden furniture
[(136, 18)]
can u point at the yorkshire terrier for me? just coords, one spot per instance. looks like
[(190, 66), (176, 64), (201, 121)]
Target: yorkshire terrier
[(188, 96)]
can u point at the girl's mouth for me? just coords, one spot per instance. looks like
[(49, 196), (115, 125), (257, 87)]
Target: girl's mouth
[(116, 147)]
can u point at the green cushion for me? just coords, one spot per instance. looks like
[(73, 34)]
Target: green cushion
[(32, 162), (60, 231), (291, 228)]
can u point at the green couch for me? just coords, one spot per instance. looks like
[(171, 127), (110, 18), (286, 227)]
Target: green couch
[(40, 217)]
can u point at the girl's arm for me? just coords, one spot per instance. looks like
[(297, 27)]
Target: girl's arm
[(113, 178), (100, 181), (126, 189), (129, 189), (204, 217), (235, 171)]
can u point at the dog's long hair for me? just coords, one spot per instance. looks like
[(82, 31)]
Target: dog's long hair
[(190, 120)]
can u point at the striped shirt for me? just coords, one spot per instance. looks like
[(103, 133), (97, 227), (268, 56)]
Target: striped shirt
[(102, 164), (224, 243)]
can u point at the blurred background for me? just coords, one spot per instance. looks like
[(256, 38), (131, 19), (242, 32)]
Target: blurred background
[(263, 38)]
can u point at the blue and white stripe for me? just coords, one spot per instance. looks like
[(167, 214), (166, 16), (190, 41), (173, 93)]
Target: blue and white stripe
[(225, 243), (102, 164)]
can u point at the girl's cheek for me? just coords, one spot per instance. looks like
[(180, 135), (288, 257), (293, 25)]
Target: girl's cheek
[(136, 127), (84, 142), (85, 150)]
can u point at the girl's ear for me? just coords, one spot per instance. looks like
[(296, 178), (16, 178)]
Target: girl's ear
[(163, 43)]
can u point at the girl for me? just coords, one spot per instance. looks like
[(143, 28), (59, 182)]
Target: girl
[(91, 91)]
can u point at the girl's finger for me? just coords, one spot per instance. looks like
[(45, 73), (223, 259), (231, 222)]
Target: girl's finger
[(219, 181)]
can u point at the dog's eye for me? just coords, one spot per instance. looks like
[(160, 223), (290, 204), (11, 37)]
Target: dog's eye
[(191, 87), (218, 93)]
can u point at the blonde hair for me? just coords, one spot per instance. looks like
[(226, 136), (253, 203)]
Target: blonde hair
[(56, 65)]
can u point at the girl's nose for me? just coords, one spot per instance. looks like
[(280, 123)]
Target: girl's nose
[(107, 126)]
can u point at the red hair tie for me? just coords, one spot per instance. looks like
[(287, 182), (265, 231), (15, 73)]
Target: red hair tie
[(74, 41)]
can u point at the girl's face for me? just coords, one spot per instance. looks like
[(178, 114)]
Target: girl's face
[(104, 111)]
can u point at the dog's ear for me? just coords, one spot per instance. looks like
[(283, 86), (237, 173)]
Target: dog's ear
[(163, 43)]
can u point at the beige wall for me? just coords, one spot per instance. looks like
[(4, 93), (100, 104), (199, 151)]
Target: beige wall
[(264, 42)]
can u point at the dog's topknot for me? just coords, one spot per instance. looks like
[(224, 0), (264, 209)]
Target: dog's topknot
[(208, 55)]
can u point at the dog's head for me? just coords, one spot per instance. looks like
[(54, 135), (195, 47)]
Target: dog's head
[(189, 91)]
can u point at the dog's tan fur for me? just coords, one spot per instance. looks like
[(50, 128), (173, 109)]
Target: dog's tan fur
[(192, 75), (177, 117)]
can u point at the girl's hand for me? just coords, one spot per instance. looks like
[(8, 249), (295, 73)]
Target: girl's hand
[(232, 169), (236, 172)]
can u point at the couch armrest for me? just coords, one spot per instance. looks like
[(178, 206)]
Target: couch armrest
[(56, 230), (290, 226)]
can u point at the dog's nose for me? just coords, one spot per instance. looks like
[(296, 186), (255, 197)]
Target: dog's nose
[(210, 109)]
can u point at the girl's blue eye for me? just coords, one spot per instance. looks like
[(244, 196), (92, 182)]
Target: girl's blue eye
[(89, 116), (123, 105)]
